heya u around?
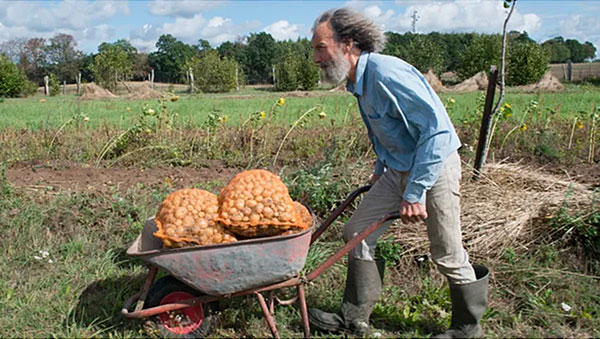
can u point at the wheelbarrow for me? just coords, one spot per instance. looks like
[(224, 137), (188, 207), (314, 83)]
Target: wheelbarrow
[(184, 303)]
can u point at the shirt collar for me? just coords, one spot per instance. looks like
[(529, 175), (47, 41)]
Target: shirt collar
[(357, 87)]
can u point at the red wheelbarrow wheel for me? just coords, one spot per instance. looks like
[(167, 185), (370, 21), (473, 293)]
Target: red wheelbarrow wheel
[(192, 322)]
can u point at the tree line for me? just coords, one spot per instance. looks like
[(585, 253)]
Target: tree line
[(260, 59)]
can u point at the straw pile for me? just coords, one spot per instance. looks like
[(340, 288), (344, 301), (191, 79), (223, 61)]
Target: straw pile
[(548, 83), (475, 83), (92, 91), (499, 211), (435, 82), (143, 92)]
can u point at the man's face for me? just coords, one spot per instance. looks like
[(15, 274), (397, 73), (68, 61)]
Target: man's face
[(328, 55)]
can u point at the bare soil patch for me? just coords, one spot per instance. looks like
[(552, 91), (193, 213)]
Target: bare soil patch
[(65, 176)]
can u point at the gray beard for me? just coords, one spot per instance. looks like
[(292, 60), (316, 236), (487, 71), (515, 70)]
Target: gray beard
[(336, 70)]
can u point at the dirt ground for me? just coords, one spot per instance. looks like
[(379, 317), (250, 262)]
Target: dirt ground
[(65, 176)]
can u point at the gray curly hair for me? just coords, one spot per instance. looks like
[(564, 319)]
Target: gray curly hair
[(348, 24)]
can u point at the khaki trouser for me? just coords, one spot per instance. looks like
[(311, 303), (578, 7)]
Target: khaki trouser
[(443, 221)]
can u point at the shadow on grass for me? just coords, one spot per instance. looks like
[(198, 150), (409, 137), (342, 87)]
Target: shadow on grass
[(100, 304)]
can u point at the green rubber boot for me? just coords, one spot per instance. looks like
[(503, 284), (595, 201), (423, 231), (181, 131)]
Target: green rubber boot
[(363, 286), (469, 302)]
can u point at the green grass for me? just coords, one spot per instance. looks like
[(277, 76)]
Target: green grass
[(193, 110), (86, 233)]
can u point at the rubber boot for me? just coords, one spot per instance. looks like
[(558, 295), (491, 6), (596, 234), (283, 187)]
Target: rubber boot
[(363, 286), (469, 302)]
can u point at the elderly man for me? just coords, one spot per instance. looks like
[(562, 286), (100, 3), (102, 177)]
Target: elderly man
[(417, 172)]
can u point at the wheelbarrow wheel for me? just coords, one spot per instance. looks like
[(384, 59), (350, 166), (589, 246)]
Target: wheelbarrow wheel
[(192, 322)]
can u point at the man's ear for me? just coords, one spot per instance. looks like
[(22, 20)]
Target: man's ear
[(348, 44)]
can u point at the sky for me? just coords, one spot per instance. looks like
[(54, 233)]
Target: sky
[(142, 22)]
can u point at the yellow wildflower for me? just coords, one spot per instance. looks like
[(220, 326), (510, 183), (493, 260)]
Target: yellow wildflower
[(150, 111), (174, 98), (262, 114), (322, 115), (281, 101), (451, 100), (523, 127), (580, 125), (507, 105)]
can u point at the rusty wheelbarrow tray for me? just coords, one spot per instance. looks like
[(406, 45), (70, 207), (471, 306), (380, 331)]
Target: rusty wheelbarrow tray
[(252, 266)]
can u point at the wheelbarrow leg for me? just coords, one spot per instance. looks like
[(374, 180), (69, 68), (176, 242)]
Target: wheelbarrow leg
[(303, 311), (146, 287), (268, 317)]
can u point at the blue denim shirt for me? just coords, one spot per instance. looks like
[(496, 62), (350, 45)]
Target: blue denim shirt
[(406, 121)]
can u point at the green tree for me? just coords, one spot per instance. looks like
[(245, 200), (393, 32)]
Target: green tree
[(213, 74), (63, 58), (422, 51), (526, 63), (483, 52), (286, 73), (260, 57), (13, 82), (31, 59), (170, 60), (110, 66), (580, 52), (233, 50), (557, 51)]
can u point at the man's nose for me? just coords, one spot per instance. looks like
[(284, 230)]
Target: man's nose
[(316, 59)]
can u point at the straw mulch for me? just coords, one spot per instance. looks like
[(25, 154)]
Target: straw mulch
[(92, 91), (501, 208)]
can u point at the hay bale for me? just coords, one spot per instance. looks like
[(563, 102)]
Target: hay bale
[(475, 83), (499, 210), (548, 83), (434, 81), (92, 91), (143, 92)]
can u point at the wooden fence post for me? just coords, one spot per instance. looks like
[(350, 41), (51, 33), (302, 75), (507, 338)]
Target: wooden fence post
[(486, 124), (570, 71), (78, 79), (191, 76), (46, 87), (152, 79)]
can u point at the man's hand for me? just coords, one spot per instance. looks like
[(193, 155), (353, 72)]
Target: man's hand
[(373, 179), (412, 212)]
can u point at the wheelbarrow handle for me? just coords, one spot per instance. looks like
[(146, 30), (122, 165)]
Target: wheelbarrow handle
[(338, 211), (351, 244)]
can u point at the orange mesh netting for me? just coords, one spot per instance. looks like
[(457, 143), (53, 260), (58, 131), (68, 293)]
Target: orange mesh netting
[(187, 217), (257, 203)]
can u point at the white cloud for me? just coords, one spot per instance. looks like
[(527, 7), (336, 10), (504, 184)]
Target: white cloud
[(184, 28), (452, 16), (101, 32), (283, 30), (186, 9), (189, 30), (84, 20)]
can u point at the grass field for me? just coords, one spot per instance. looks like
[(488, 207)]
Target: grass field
[(78, 179)]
